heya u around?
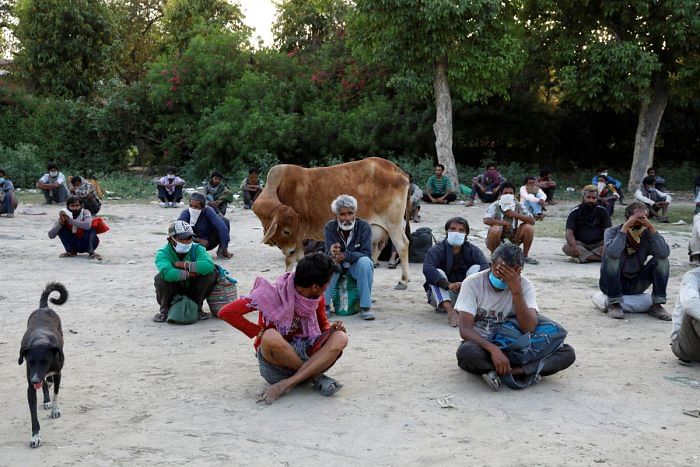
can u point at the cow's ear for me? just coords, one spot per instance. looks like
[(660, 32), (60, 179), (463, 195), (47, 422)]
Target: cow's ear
[(270, 232)]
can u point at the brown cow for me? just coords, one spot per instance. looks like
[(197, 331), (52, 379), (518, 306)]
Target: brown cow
[(295, 204)]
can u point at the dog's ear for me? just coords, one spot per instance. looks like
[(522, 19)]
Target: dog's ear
[(22, 351), (58, 354)]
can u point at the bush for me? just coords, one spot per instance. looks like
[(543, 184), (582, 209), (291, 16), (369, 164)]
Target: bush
[(22, 164)]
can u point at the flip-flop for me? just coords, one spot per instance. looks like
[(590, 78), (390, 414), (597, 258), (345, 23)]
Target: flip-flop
[(492, 380), (160, 317), (96, 256), (67, 255), (203, 316), (326, 385)]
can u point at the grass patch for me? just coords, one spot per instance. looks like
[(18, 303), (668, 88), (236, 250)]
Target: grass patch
[(127, 186)]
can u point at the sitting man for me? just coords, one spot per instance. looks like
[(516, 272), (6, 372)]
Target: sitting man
[(294, 341), (74, 228), (548, 185), (8, 200), (487, 186), (86, 192), (439, 188), (218, 195), (624, 268), (170, 189), (657, 201), (252, 186), (585, 227), (607, 194), (348, 241), (533, 198), (210, 229), (184, 268), (447, 264), (659, 181), (53, 185), (485, 300), (685, 338), (509, 220), (603, 171)]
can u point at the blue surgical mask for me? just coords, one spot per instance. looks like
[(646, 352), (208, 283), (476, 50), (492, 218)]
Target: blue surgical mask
[(496, 282), (2, 180), (456, 238), (182, 248)]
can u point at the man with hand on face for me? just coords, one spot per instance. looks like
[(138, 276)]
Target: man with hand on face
[(210, 229), (53, 185), (510, 220), (294, 341), (585, 227), (74, 229), (348, 242), (184, 268), (485, 300), (447, 264), (626, 269)]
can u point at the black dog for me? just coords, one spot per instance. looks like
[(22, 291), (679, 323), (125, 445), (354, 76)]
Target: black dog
[(42, 347)]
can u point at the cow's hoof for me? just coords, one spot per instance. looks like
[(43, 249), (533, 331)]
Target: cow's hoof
[(400, 286), (47, 405), (55, 412), (35, 441)]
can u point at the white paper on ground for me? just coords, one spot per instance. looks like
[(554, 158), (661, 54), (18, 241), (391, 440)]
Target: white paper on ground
[(639, 303)]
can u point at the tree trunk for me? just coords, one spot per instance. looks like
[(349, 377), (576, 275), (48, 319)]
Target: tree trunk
[(650, 114), (443, 121)]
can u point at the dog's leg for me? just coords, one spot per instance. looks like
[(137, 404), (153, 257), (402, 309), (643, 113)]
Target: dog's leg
[(47, 399), (36, 435), (55, 411)]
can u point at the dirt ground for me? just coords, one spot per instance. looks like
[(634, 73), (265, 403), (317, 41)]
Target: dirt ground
[(135, 392)]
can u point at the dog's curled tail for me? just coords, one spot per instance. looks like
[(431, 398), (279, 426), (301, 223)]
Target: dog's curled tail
[(53, 287)]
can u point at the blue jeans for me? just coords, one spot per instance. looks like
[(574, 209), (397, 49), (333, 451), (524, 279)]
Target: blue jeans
[(362, 271), (6, 207), (85, 244), (535, 208), (615, 285)]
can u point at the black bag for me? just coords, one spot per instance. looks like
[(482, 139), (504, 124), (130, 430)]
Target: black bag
[(421, 241)]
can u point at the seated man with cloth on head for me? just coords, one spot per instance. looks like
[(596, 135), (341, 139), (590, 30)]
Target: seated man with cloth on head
[(447, 264)]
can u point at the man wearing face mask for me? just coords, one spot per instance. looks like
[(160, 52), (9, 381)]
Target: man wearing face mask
[(294, 341), (53, 185), (8, 200), (585, 227), (211, 230), (626, 268), (656, 200), (485, 300), (447, 264), (184, 268), (74, 229), (348, 241), (487, 186), (170, 189), (510, 220)]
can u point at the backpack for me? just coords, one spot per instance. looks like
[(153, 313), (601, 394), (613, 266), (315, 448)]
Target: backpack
[(421, 241), (522, 348)]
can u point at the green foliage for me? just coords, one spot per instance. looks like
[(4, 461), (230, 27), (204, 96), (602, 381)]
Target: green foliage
[(125, 185), (65, 46), (303, 26), (22, 164)]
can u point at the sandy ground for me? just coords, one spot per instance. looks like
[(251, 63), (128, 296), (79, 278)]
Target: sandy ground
[(135, 392)]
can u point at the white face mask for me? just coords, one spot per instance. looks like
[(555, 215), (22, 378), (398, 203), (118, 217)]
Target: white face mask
[(53, 173), (604, 174), (456, 238), (507, 202), (601, 185), (171, 177), (194, 215), (182, 247), (346, 226)]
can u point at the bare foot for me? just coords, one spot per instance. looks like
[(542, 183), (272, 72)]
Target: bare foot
[(275, 391), (453, 319), (469, 203)]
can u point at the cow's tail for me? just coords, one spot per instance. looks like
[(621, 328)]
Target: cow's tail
[(53, 287)]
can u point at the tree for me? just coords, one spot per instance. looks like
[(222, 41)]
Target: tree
[(473, 44), (623, 55), (305, 25), (64, 47)]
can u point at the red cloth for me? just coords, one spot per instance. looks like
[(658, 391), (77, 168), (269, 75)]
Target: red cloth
[(234, 311), (98, 225)]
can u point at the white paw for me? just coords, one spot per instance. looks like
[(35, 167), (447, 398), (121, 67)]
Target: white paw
[(47, 405), (35, 441), (55, 412)]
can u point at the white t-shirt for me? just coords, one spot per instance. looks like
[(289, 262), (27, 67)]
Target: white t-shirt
[(60, 179), (488, 306)]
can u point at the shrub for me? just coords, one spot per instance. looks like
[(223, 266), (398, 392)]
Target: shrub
[(22, 164)]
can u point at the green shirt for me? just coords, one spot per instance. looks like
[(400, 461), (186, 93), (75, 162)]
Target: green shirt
[(201, 262), (439, 187)]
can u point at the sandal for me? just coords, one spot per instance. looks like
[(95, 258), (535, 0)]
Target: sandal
[(67, 254), (492, 380), (659, 312), (392, 265), (531, 260), (326, 385), (96, 256), (161, 317), (203, 316)]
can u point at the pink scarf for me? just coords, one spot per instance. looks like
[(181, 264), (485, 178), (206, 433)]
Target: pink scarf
[(280, 302)]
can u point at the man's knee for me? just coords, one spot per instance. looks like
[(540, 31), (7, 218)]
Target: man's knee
[(493, 238), (272, 340), (365, 264), (526, 230), (471, 357), (337, 341)]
